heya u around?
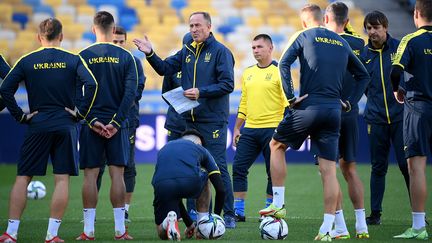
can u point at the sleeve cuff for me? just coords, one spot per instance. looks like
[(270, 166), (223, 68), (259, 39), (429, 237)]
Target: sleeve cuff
[(115, 124), (241, 115), (150, 54), (92, 122)]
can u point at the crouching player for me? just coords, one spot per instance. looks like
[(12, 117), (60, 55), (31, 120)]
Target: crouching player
[(182, 170)]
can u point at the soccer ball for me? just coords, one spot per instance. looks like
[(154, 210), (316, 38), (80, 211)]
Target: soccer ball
[(211, 227), (36, 190), (273, 229)]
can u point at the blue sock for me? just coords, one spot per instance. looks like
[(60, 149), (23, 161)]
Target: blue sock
[(268, 202), (239, 206)]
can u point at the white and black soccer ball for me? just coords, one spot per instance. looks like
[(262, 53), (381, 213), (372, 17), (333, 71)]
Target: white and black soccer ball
[(273, 229), (211, 227), (36, 190)]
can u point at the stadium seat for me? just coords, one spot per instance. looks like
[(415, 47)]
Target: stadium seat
[(53, 3), (23, 8), (112, 9), (20, 18), (39, 17), (89, 36), (66, 19), (43, 9), (6, 13), (32, 3), (86, 10), (65, 10), (86, 20)]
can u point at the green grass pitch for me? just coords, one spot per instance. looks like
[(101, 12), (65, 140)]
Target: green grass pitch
[(303, 201)]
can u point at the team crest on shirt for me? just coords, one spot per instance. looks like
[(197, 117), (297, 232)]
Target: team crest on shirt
[(179, 74), (188, 58), (249, 77), (268, 76), (216, 134), (207, 57)]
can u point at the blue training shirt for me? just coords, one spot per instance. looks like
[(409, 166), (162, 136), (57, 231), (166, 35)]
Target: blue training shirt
[(4, 69), (116, 72), (182, 158), (134, 111), (51, 75), (357, 44), (414, 55), (324, 58)]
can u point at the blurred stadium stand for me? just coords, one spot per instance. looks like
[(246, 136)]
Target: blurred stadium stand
[(235, 23)]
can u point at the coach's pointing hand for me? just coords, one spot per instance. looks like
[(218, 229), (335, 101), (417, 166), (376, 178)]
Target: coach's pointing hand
[(143, 45)]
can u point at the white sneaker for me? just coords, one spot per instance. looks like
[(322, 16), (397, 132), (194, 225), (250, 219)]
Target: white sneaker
[(172, 229), (340, 235)]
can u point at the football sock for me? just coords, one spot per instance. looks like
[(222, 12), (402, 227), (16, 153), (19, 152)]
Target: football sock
[(340, 225), (89, 220), (201, 215), (239, 206), (327, 223), (13, 225), (268, 201), (279, 196), (53, 226), (127, 207), (119, 221), (418, 220), (360, 224), (165, 223)]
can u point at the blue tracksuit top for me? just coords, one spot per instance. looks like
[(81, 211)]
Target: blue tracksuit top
[(324, 58), (4, 69), (51, 76), (208, 66), (174, 121), (381, 106), (134, 111), (357, 45), (182, 158), (115, 70)]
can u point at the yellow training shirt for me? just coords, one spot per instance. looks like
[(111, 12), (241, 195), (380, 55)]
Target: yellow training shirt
[(263, 100)]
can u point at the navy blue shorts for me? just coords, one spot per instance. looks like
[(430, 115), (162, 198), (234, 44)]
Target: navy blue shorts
[(169, 193), (96, 150), (60, 146), (321, 125), (349, 137), (417, 130)]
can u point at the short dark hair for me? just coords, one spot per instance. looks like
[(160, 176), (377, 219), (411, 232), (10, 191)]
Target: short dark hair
[(103, 20), (376, 18), (120, 31), (424, 7), (50, 28), (264, 37), (206, 16), (339, 11), (314, 9), (194, 133)]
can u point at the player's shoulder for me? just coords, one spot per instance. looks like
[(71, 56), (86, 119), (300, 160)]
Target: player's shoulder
[(413, 36)]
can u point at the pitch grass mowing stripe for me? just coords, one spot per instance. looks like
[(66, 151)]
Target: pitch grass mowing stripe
[(303, 202)]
